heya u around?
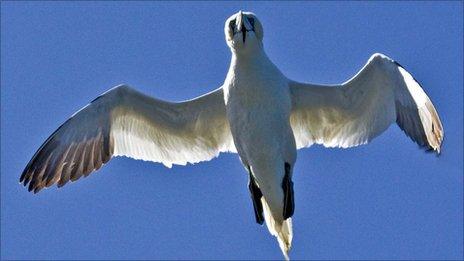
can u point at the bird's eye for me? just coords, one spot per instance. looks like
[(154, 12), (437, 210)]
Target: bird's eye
[(252, 21), (232, 24)]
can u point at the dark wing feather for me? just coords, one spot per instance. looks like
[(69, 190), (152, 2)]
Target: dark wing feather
[(357, 111), (125, 122)]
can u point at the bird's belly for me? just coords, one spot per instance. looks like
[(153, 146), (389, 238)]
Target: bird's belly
[(261, 130), (264, 142), (256, 135), (259, 118)]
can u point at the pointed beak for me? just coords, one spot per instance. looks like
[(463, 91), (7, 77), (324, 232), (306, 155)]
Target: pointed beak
[(241, 24)]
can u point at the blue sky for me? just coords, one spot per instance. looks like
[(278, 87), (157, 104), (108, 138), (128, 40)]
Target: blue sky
[(386, 200)]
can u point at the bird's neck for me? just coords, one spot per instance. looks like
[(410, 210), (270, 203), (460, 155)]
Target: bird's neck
[(251, 61), (252, 52)]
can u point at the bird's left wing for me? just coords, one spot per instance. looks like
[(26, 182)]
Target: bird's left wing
[(355, 112), (125, 122)]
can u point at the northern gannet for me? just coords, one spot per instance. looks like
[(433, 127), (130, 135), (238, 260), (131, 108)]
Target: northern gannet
[(258, 112)]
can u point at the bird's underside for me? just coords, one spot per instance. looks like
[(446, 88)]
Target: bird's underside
[(125, 122), (256, 195)]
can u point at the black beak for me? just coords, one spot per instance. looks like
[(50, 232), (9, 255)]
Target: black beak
[(238, 25), (244, 32)]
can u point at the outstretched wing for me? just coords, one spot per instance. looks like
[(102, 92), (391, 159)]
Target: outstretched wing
[(355, 112), (125, 122)]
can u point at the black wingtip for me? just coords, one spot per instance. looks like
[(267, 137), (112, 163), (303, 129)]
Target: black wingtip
[(430, 150), (31, 187), (23, 175)]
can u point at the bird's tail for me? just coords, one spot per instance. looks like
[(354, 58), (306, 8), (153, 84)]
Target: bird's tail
[(282, 230)]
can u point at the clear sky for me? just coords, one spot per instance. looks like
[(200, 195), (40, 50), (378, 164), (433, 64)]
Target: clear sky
[(386, 200)]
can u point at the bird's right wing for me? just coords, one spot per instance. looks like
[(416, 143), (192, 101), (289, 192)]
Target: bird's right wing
[(125, 122), (357, 111)]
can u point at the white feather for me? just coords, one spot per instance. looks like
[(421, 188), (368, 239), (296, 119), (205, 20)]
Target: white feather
[(360, 109)]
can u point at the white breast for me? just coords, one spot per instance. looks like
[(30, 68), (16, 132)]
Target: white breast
[(258, 107)]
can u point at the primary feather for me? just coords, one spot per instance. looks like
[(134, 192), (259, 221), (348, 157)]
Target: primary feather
[(125, 122), (357, 111)]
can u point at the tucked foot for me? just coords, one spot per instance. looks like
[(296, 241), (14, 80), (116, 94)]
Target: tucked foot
[(256, 195), (287, 186)]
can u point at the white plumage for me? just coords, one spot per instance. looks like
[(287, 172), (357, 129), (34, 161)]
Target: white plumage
[(357, 111), (257, 112)]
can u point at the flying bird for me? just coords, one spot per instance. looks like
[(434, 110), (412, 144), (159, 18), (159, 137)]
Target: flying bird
[(258, 113)]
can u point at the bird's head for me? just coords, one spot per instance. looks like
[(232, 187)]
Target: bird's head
[(244, 32)]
